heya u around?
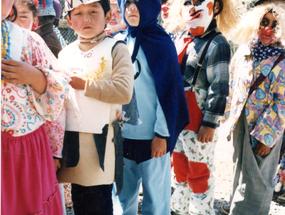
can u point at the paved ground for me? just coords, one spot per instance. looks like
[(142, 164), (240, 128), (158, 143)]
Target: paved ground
[(224, 170)]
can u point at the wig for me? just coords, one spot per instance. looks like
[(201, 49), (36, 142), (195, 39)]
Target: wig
[(174, 23), (229, 15), (246, 30)]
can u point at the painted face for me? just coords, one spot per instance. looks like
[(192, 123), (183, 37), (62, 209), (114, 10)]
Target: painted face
[(25, 17), (6, 8), (132, 14), (88, 20), (116, 15), (164, 11), (267, 29), (198, 15)]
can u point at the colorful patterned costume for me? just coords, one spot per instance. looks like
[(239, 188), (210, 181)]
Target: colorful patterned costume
[(29, 184)]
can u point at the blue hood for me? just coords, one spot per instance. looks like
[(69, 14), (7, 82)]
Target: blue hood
[(162, 58)]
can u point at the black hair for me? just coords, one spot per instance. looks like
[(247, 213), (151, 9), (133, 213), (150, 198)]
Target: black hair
[(13, 15), (32, 7), (220, 5), (56, 22), (105, 5), (46, 19)]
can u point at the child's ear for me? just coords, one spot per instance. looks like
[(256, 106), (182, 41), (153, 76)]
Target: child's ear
[(218, 7), (69, 22), (108, 16)]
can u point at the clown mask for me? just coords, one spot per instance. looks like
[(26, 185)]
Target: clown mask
[(198, 15), (267, 29)]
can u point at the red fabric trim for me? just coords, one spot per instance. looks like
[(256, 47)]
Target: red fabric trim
[(198, 176), (180, 166), (181, 54), (195, 114)]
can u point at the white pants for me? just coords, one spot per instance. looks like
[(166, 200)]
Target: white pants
[(193, 164)]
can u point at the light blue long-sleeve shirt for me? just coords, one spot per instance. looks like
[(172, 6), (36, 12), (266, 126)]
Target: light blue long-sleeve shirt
[(151, 114)]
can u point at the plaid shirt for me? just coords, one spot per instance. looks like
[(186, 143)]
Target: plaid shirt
[(213, 77)]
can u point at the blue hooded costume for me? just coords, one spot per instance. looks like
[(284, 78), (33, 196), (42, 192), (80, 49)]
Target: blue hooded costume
[(163, 62)]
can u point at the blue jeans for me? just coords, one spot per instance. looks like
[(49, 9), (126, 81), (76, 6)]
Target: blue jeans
[(154, 174)]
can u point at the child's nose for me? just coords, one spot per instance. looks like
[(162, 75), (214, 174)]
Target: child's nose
[(268, 30), (87, 18)]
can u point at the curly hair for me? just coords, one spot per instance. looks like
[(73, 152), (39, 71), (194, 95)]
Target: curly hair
[(246, 30), (228, 14)]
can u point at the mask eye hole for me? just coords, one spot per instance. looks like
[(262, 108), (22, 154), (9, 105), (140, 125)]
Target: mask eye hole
[(193, 2), (274, 24), (187, 3), (264, 22)]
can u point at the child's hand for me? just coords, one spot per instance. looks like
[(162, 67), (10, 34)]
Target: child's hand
[(56, 164), (158, 147), (17, 72), (119, 115), (205, 134), (282, 176), (77, 83), (262, 150)]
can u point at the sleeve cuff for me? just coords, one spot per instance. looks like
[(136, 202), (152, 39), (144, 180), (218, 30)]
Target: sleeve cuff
[(211, 120), (264, 135), (56, 157), (160, 136), (209, 124)]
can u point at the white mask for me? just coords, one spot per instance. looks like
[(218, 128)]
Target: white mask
[(199, 17)]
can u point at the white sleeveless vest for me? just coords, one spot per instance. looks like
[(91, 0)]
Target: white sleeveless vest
[(86, 114)]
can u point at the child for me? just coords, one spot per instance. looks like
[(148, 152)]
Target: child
[(102, 80), (206, 89), (280, 177), (26, 13), (45, 28), (161, 106), (280, 186), (116, 24), (31, 93), (257, 106)]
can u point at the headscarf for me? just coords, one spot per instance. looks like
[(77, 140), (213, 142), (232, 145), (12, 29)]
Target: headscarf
[(162, 59)]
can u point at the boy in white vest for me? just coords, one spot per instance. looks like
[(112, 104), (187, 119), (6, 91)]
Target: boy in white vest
[(102, 80)]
